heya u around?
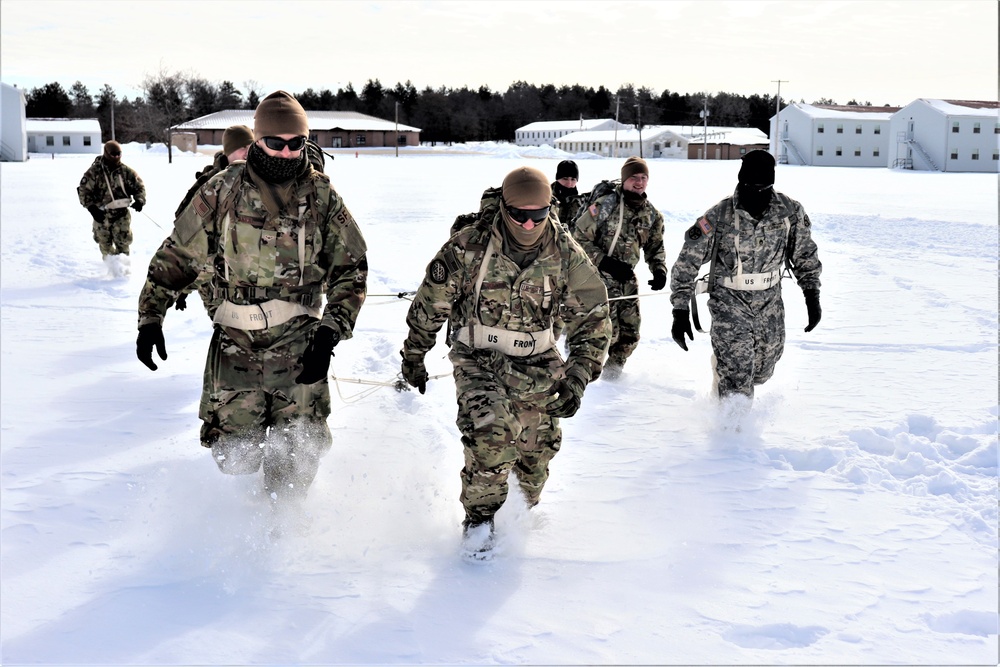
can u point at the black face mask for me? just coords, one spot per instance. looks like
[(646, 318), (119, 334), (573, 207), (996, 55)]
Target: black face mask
[(754, 199), (634, 200), (563, 193), (272, 169)]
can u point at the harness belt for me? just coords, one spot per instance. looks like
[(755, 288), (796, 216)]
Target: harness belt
[(254, 295), (261, 316), (117, 203), (511, 343), (744, 282)]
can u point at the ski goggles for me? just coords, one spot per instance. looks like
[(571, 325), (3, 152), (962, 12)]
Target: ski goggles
[(522, 215), (277, 143)]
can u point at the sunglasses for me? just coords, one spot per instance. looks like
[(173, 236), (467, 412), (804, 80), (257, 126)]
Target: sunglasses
[(118, 154), (277, 143), (522, 215)]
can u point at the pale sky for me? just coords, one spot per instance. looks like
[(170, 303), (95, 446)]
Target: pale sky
[(884, 52)]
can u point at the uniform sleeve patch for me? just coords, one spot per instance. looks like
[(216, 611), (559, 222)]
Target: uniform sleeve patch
[(705, 225), (437, 272), (694, 233), (593, 210), (201, 207)]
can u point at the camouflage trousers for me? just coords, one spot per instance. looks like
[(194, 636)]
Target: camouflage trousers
[(254, 414), (748, 337), (114, 236), (504, 427), (625, 321)]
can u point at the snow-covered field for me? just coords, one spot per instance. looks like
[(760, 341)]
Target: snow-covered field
[(853, 522)]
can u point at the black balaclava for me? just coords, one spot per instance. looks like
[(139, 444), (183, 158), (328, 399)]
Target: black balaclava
[(563, 193), (273, 169), (755, 186)]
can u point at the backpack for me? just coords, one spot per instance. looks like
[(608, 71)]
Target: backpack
[(488, 204), (603, 188)]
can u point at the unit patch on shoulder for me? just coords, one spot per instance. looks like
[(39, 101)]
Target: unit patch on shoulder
[(437, 272), (593, 210), (694, 233), (706, 225)]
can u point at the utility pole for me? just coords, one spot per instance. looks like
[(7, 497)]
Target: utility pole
[(397, 129), (112, 116), (777, 110), (614, 146), (638, 124), (704, 130)]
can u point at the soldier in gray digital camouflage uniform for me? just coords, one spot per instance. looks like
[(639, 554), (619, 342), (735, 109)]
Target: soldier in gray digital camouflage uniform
[(613, 231), (107, 189), (499, 284), (748, 237), (278, 239)]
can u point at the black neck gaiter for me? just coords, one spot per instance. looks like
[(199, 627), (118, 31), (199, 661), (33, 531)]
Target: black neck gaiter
[(634, 200), (275, 170), (563, 193)]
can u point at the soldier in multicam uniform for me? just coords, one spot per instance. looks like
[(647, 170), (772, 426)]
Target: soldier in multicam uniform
[(612, 231), (748, 237), (278, 237), (570, 202), (106, 190), (236, 142), (500, 283)]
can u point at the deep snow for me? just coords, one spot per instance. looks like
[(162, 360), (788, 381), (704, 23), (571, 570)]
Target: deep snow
[(852, 521)]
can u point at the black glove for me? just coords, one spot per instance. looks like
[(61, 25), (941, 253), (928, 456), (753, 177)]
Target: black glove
[(415, 373), (96, 213), (616, 268), (681, 326), (659, 281), (150, 335), (567, 401), (137, 205), (812, 307), (316, 359), (181, 302)]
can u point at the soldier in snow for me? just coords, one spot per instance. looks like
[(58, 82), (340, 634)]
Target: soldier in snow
[(107, 189), (570, 202), (499, 284), (278, 238), (236, 142), (613, 230), (748, 239)]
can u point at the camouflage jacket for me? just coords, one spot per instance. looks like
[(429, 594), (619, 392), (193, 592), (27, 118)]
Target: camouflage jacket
[(201, 177), (93, 188), (784, 231), (642, 230), (513, 298), (254, 256), (570, 209)]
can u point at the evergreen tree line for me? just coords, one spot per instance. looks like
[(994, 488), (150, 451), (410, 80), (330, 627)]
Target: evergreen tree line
[(444, 114)]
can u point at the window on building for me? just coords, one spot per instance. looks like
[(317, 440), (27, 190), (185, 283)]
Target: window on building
[(839, 151), (86, 141), (401, 139), (954, 154), (975, 153), (840, 128), (975, 128), (819, 152), (996, 155), (857, 152), (66, 141), (50, 141), (996, 130), (878, 129), (875, 152), (857, 130), (359, 140), (819, 129), (954, 127)]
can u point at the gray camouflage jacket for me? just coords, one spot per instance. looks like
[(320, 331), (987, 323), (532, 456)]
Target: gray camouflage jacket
[(762, 246)]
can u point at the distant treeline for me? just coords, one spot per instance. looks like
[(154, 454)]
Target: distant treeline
[(443, 114)]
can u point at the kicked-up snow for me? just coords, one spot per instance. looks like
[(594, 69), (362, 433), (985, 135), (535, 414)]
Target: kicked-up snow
[(849, 518)]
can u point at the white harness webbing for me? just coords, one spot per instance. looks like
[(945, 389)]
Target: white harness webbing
[(115, 203), (618, 229), (261, 316), (747, 282), (512, 343)]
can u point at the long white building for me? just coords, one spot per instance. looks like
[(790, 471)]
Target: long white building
[(666, 141), (946, 135), (546, 132), (64, 135), (832, 136)]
